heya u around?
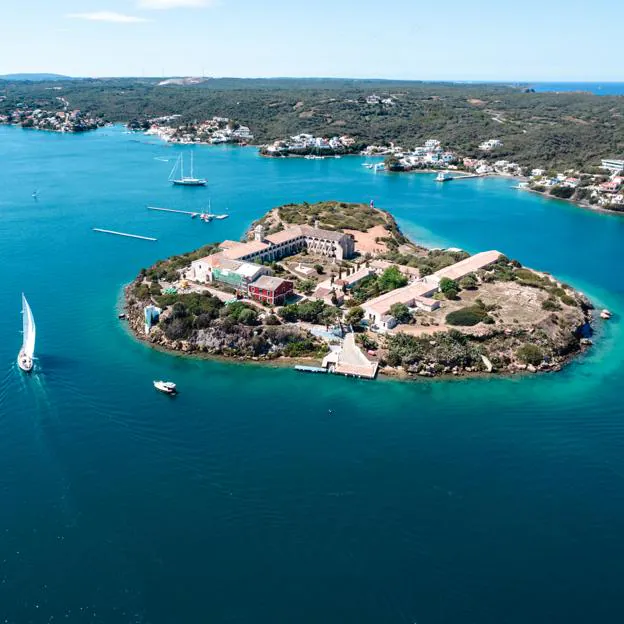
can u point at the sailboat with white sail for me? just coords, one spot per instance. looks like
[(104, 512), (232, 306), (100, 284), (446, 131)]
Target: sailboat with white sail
[(25, 357), (183, 180)]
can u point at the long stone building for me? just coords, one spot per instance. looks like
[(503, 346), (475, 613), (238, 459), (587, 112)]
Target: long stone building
[(271, 247)]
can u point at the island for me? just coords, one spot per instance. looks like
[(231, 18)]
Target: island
[(338, 286)]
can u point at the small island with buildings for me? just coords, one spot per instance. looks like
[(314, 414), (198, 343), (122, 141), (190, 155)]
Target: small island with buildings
[(336, 287)]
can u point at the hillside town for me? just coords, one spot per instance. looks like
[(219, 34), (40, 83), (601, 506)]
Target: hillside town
[(601, 187), (311, 146), (339, 284), (214, 131), (53, 121)]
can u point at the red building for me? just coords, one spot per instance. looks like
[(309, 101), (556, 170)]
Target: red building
[(271, 290)]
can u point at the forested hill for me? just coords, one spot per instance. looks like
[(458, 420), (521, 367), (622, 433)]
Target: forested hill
[(546, 129)]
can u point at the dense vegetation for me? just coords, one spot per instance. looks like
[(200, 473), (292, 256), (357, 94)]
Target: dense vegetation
[(427, 262), (375, 285), (547, 129), (446, 349), (205, 324), (334, 215)]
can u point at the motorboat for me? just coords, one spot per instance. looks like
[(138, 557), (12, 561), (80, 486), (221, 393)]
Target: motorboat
[(167, 387), (444, 176)]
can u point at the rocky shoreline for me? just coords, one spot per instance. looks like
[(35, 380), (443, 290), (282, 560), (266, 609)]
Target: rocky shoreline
[(555, 328)]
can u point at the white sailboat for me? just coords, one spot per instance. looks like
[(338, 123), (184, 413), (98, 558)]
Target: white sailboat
[(27, 352), (185, 180)]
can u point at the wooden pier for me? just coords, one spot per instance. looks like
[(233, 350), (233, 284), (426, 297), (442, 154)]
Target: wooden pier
[(147, 238)]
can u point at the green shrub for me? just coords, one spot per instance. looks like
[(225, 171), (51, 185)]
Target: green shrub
[(451, 294), (248, 317), (272, 320), (447, 285), (466, 317), (400, 312), (551, 305), (530, 354), (468, 282), (354, 316), (568, 300)]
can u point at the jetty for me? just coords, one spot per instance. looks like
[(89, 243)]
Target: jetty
[(310, 369), (186, 212), (147, 238)]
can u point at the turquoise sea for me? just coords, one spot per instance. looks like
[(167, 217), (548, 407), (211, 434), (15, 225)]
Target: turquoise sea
[(262, 495)]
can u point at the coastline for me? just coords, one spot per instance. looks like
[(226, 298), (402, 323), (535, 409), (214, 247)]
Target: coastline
[(582, 204), (387, 373), (502, 341)]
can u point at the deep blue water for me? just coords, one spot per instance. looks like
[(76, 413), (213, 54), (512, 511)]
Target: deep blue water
[(597, 88), (260, 495)]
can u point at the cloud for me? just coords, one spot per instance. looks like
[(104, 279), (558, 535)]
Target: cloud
[(176, 4), (107, 16)]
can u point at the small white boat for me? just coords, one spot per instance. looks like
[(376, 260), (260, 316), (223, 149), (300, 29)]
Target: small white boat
[(605, 314), (26, 354), (168, 387), (222, 216), (444, 176), (379, 167)]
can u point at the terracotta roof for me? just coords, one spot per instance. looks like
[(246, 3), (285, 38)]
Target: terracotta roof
[(473, 263), (244, 249), (285, 235), (306, 230)]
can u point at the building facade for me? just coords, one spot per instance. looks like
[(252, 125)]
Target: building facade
[(271, 290)]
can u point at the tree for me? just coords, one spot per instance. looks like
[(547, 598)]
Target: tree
[(451, 294), (289, 313), (447, 284), (563, 192), (355, 316), (248, 317), (400, 312), (469, 282), (319, 269), (307, 286), (425, 270), (391, 278)]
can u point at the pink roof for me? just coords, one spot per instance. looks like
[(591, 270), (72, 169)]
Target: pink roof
[(473, 263), (284, 236), (244, 249)]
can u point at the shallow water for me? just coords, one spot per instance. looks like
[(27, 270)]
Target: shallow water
[(263, 495)]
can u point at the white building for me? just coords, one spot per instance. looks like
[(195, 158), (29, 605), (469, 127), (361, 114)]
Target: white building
[(613, 165)]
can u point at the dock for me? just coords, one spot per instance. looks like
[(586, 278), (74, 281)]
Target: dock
[(310, 369), (186, 212), (147, 238)]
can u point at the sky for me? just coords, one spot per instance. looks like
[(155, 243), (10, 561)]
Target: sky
[(547, 40)]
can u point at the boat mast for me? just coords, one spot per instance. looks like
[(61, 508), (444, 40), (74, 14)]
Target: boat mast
[(182, 166), (191, 164)]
